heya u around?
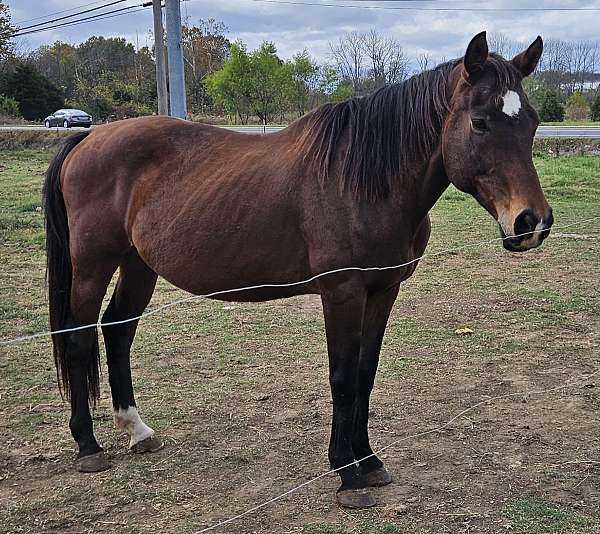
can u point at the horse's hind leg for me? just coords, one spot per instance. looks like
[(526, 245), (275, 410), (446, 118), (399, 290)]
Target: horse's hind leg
[(131, 296), (81, 354)]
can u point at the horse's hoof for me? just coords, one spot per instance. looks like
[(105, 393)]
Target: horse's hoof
[(377, 478), (151, 444), (355, 498), (92, 463)]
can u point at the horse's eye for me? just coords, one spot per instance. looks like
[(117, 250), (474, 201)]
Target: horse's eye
[(479, 125)]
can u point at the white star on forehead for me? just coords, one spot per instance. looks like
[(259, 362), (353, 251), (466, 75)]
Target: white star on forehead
[(511, 103)]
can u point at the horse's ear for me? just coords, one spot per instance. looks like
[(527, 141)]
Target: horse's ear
[(527, 61), (476, 55)]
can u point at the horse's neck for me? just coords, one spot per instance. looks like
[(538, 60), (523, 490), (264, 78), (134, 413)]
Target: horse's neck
[(430, 184)]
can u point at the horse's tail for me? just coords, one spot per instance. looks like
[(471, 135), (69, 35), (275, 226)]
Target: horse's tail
[(58, 265)]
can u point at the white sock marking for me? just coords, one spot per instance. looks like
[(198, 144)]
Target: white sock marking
[(130, 421), (512, 103)]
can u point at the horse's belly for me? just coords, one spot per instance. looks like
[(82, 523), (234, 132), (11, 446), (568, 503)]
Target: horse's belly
[(212, 256)]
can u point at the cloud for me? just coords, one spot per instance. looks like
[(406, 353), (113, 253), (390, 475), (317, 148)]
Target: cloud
[(295, 27)]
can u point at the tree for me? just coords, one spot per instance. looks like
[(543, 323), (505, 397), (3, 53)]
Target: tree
[(536, 90), (578, 108), (58, 62), (205, 49), (387, 62), (596, 108), (270, 82), (9, 107), (100, 55), (330, 87), (303, 71), (424, 62), (369, 60), (230, 87), (503, 45), (551, 109), (342, 92), (37, 96), (105, 76), (349, 56), (6, 32)]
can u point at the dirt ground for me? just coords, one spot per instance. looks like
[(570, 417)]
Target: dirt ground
[(239, 393)]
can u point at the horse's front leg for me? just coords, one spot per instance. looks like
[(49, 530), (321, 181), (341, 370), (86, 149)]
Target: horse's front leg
[(343, 308), (376, 316)]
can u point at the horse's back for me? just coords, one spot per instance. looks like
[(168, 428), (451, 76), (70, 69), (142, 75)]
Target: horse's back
[(181, 193)]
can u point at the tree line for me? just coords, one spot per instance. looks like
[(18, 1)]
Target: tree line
[(112, 79)]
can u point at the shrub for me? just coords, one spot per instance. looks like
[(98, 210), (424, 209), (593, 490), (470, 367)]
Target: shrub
[(596, 107), (551, 110), (578, 108), (536, 89), (9, 107)]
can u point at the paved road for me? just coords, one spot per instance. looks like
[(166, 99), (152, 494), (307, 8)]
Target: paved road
[(589, 132)]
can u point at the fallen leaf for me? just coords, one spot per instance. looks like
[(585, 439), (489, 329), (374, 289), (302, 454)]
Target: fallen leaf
[(463, 331)]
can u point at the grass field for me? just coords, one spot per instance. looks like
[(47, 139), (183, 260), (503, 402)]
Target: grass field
[(572, 123), (239, 391)]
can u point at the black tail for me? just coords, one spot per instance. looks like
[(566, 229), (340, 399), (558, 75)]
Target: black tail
[(59, 270)]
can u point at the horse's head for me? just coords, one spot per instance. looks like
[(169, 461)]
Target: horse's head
[(487, 141)]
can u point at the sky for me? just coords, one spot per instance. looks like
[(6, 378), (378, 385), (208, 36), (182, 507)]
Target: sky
[(440, 34)]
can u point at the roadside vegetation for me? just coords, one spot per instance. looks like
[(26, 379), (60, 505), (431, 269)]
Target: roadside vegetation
[(228, 83), (239, 391)]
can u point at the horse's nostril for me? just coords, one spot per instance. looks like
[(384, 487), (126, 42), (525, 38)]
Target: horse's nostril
[(525, 222)]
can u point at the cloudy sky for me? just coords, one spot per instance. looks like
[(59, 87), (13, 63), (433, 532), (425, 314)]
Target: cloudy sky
[(420, 26)]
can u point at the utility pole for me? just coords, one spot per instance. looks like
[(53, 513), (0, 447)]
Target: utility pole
[(175, 51), (159, 52)]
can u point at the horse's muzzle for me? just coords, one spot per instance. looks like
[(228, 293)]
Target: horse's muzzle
[(529, 231)]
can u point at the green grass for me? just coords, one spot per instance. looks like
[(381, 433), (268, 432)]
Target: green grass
[(240, 390), (362, 527), (572, 123), (534, 516)]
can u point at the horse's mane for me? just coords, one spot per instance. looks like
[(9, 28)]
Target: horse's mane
[(387, 132)]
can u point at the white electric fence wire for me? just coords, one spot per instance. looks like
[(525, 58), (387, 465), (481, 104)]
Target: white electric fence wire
[(395, 442), (289, 284)]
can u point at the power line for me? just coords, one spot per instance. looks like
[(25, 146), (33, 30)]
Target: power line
[(99, 16), (58, 12), (421, 8), (72, 15)]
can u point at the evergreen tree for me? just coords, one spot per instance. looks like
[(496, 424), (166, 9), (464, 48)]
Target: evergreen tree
[(37, 96), (551, 110)]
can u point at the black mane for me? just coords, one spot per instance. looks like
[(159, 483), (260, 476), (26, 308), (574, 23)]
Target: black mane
[(388, 131)]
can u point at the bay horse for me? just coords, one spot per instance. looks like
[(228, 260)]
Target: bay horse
[(348, 184)]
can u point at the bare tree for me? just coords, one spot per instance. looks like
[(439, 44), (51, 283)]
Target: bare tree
[(388, 64), (423, 62), (554, 62), (205, 49), (583, 62), (503, 45), (348, 56), (369, 60), (397, 66)]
